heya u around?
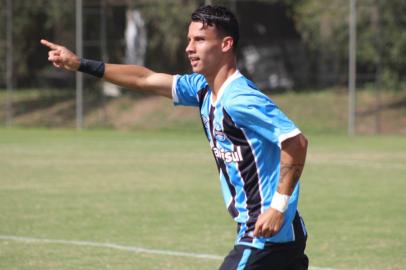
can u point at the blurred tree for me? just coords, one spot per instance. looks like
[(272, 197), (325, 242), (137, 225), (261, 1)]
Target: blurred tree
[(323, 27), (33, 20), (167, 23), (381, 41)]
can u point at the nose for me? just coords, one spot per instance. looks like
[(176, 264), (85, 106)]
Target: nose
[(190, 47)]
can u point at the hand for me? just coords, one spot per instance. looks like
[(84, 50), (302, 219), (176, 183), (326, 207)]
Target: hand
[(269, 223), (61, 57)]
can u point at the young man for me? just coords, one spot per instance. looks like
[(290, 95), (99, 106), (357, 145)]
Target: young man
[(259, 152)]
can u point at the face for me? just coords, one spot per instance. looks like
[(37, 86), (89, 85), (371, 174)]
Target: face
[(205, 48)]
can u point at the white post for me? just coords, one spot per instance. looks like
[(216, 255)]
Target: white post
[(9, 63), (352, 72), (79, 75)]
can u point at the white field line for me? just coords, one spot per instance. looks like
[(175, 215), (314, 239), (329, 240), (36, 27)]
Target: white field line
[(121, 247), (111, 246)]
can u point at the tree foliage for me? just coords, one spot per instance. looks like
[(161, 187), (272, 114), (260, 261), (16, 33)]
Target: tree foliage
[(31, 21), (381, 39), (323, 26), (167, 23)]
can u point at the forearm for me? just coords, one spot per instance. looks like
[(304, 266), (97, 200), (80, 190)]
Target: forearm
[(139, 78), (293, 156), (129, 76)]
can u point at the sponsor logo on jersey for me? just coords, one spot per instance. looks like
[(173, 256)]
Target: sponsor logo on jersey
[(228, 156)]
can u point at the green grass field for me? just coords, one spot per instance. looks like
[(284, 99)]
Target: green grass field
[(147, 189)]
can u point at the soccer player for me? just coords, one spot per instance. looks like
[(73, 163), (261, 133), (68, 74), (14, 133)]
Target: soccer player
[(260, 153)]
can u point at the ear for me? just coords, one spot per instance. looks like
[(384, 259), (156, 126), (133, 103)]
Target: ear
[(227, 44)]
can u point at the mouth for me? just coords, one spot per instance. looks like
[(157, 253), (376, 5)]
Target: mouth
[(194, 60)]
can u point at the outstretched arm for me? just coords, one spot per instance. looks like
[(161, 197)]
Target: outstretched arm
[(129, 76), (293, 156)]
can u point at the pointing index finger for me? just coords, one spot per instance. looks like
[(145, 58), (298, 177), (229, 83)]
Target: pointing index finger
[(50, 45)]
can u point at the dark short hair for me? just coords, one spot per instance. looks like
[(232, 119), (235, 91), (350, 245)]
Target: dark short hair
[(220, 17)]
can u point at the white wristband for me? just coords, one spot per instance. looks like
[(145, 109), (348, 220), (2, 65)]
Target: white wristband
[(280, 202)]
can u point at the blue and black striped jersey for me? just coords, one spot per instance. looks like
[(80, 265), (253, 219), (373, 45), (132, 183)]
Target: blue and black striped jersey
[(245, 130)]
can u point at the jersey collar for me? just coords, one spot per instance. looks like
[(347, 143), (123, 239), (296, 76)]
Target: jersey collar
[(237, 74)]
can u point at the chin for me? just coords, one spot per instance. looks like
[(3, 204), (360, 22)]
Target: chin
[(196, 70)]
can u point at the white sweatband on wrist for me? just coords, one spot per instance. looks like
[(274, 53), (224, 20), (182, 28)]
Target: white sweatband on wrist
[(280, 202)]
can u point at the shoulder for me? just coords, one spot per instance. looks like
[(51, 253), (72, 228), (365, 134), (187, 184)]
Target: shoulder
[(193, 79), (187, 88), (244, 95)]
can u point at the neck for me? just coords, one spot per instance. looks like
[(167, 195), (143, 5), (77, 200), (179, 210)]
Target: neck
[(217, 79)]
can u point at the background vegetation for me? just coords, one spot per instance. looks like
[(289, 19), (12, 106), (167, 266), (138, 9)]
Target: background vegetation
[(321, 27)]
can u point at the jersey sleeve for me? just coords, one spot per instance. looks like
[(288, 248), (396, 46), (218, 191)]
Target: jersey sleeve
[(185, 89), (256, 112)]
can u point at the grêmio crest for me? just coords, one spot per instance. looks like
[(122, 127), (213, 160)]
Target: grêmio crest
[(218, 132)]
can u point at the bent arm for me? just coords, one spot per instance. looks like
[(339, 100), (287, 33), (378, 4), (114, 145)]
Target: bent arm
[(293, 157), (129, 76)]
